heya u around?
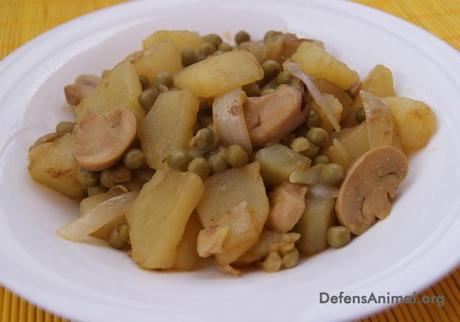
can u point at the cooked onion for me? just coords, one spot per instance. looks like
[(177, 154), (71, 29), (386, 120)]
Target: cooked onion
[(379, 120), (326, 111), (229, 121), (107, 211), (324, 191)]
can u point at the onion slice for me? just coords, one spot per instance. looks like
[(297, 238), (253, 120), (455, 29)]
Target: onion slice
[(379, 120), (326, 111), (107, 211), (324, 191), (229, 121)]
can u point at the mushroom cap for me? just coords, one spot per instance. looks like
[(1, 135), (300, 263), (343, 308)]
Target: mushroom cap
[(369, 186), (102, 139)]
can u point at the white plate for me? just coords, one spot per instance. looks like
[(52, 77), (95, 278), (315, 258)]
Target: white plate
[(415, 246)]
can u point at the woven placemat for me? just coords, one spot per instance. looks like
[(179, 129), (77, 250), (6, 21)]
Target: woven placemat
[(22, 20)]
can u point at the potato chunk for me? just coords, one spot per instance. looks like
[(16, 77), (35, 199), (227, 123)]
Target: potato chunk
[(159, 215), (415, 120), (237, 192), (52, 164), (277, 162), (220, 74), (314, 223), (318, 63), (168, 126), (120, 88), (160, 57), (379, 82), (180, 38), (287, 205), (187, 256)]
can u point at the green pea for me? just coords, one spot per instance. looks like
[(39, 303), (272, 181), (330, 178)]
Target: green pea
[(178, 160), (134, 159), (87, 178), (252, 89), (242, 36), (189, 56), (196, 152), (119, 237), (321, 159), (115, 175), (145, 83), (272, 263), (206, 49), (236, 156), (332, 174), (204, 138), (225, 47), (311, 151), (95, 190), (291, 258), (147, 98), (338, 236), (217, 162), (267, 91), (200, 166), (64, 127), (313, 120), (215, 39), (164, 78), (318, 136), (217, 53), (200, 57), (271, 33), (283, 78), (271, 68), (300, 144), (360, 116)]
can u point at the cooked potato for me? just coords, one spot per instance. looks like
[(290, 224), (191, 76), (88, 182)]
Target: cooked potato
[(277, 162), (168, 126), (243, 232), (238, 191), (220, 74), (187, 256), (355, 140), (120, 88), (314, 223), (379, 82), (160, 57), (415, 120), (327, 87), (159, 215), (181, 38), (318, 63), (52, 164)]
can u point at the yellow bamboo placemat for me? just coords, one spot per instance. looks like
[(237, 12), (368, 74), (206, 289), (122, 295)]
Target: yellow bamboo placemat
[(21, 20)]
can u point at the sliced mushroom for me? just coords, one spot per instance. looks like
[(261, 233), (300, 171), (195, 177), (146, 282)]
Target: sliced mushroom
[(369, 187), (103, 138), (287, 202), (271, 117), (83, 86)]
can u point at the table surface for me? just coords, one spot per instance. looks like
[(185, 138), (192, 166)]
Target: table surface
[(22, 20)]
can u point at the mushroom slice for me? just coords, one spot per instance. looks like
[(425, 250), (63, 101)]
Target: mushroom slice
[(103, 138), (369, 186), (83, 86), (271, 117)]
